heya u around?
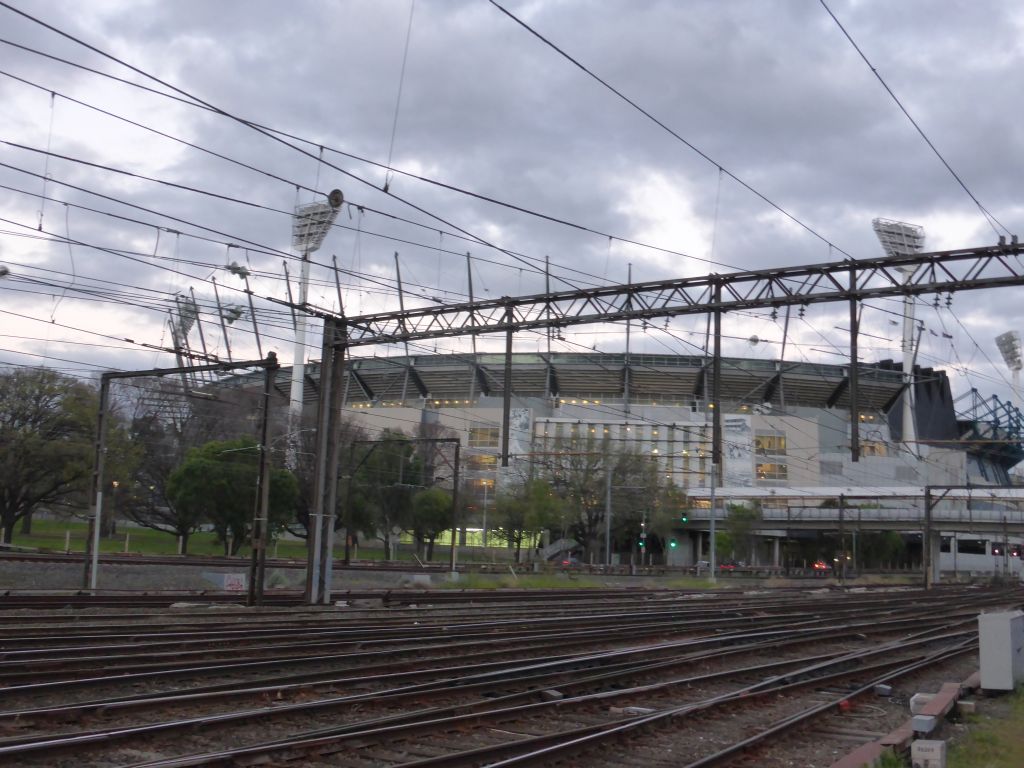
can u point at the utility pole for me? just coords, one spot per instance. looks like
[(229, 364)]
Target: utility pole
[(261, 516)]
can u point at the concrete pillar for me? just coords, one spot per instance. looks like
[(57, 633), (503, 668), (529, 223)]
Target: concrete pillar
[(775, 551)]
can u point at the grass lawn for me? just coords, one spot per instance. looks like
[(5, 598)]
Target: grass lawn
[(994, 739), (54, 535)]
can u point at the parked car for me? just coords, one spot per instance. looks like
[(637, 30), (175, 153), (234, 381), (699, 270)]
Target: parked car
[(728, 565)]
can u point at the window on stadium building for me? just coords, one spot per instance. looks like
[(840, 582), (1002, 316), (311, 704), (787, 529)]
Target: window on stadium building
[(772, 471), (481, 462), (769, 443), (873, 448), (484, 437)]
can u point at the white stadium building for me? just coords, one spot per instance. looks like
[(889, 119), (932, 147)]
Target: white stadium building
[(786, 433)]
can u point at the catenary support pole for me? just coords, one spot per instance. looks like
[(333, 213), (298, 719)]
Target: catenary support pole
[(261, 521), (455, 506), (506, 403), (338, 351), (716, 424), (607, 510), (92, 561)]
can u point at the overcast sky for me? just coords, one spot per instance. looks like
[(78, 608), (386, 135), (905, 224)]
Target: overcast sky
[(771, 92)]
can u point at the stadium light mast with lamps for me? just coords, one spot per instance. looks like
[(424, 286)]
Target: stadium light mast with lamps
[(901, 239), (310, 224), (1010, 348)]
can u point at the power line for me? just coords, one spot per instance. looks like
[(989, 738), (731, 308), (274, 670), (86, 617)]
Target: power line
[(666, 128), (387, 167), (257, 129), (992, 220)]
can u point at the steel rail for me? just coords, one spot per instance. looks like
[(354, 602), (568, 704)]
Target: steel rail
[(792, 721), (79, 739), (332, 741), (575, 740), (60, 677), (277, 686), (605, 656)]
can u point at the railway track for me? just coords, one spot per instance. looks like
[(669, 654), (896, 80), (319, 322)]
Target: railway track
[(481, 683)]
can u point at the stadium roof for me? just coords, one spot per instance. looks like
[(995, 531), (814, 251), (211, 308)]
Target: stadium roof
[(661, 379)]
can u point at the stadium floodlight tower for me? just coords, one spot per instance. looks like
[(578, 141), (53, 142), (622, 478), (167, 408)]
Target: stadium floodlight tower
[(1010, 348), (310, 224), (901, 239)]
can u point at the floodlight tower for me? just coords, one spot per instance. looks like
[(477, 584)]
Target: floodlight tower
[(1010, 348), (310, 224), (901, 239)]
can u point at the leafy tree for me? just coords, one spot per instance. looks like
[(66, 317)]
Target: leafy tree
[(431, 514), (305, 471), (387, 473), (528, 509), (880, 548), (739, 525), (579, 474), (167, 423), (47, 427), (217, 482)]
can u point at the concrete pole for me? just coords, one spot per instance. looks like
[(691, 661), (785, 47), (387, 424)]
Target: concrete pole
[(298, 366), (907, 346), (455, 508), (607, 514), (92, 563)]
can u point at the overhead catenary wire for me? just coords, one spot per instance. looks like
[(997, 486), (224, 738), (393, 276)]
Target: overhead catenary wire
[(621, 95), (256, 128), (992, 220), (386, 167)]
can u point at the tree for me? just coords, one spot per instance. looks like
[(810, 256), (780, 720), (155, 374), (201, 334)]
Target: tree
[(167, 423), (387, 473), (163, 445), (579, 473), (529, 508), (217, 482), (431, 514), (739, 524), (305, 470), (47, 427)]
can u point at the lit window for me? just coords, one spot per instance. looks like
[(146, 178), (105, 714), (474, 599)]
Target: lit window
[(769, 444), (483, 437), (873, 448), (772, 472), (481, 462)]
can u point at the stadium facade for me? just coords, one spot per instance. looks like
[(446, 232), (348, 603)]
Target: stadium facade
[(785, 424)]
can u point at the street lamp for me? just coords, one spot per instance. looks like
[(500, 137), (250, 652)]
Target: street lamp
[(1010, 348), (310, 224)]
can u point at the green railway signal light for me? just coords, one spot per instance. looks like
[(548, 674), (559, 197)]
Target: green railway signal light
[(673, 544), (684, 518)]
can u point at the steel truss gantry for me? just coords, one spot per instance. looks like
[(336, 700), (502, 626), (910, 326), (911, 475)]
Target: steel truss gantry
[(849, 280)]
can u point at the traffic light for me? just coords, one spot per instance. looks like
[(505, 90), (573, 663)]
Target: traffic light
[(673, 544), (640, 543), (684, 517)]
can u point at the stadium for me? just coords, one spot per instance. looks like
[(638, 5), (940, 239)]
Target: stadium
[(786, 439)]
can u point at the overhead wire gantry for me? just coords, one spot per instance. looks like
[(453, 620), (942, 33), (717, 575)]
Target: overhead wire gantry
[(849, 280)]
